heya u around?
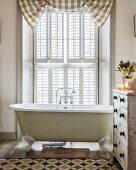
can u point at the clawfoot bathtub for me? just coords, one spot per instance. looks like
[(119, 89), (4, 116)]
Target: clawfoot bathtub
[(74, 123)]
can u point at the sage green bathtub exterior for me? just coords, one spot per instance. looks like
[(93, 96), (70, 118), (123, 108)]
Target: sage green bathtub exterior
[(64, 125)]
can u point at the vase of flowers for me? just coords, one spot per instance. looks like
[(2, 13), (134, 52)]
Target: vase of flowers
[(127, 70)]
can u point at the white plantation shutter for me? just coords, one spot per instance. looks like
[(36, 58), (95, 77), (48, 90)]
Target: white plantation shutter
[(83, 80), (89, 86), (41, 38), (65, 56), (74, 36), (57, 81), (74, 82), (42, 85), (56, 36), (89, 37), (81, 37)]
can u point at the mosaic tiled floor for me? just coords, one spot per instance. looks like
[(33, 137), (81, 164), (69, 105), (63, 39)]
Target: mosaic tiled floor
[(57, 164)]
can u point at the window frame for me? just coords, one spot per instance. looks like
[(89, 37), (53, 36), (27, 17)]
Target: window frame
[(60, 63)]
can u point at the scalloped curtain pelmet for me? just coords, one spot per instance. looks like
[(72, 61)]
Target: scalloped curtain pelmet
[(32, 10)]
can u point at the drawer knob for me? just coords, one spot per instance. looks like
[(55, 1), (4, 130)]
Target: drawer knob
[(115, 145), (122, 155), (115, 110), (115, 97), (122, 100), (122, 115), (122, 134), (115, 126)]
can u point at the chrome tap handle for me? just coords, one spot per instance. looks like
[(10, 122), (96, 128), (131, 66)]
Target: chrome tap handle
[(66, 96), (57, 91), (71, 100)]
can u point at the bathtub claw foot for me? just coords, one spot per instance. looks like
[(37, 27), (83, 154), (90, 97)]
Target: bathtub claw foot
[(30, 141), (103, 141)]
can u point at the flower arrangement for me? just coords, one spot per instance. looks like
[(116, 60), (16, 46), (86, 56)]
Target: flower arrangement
[(127, 69)]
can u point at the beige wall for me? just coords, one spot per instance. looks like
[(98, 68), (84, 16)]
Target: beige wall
[(8, 50), (135, 37), (124, 36), (125, 49)]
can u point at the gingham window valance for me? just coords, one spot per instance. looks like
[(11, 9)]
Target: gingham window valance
[(33, 9)]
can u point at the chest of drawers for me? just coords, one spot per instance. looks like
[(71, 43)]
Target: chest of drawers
[(124, 128)]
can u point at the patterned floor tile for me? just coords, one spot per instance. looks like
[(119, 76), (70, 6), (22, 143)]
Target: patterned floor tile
[(57, 164)]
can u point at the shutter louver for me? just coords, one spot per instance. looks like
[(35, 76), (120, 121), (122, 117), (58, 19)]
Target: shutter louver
[(41, 38), (74, 35), (42, 85), (58, 81), (73, 82), (89, 86), (56, 36), (89, 37)]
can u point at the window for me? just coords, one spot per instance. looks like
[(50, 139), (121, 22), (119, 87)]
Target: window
[(66, 56)]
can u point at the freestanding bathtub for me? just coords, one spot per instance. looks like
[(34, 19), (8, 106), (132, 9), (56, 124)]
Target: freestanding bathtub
[(71, 123)]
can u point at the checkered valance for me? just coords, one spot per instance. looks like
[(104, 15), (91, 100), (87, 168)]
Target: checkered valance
[(33, 9)]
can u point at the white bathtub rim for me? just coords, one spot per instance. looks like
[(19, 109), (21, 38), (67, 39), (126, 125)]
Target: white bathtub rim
[(20, 107)]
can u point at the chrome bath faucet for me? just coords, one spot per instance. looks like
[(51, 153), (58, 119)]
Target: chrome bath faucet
[(66, 96)]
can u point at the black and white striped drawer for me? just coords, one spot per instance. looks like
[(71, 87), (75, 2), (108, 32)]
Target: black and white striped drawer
[(120, 150), (120, 99), (121, 131), (121, 114)]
